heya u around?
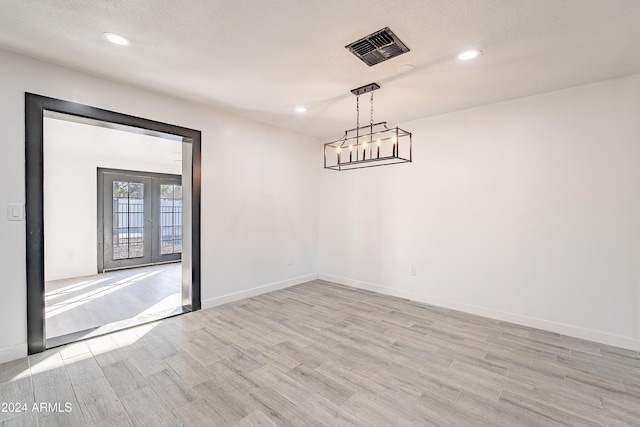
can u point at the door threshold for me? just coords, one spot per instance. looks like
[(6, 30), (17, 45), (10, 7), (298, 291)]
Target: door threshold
[(131, 267), (114, 327)]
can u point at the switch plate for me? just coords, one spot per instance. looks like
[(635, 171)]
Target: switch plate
[(412, 271), (15, 212)]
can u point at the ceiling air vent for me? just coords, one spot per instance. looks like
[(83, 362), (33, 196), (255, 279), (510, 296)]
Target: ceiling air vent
[(378, 47)]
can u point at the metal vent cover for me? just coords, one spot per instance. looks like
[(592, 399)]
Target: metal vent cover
[(378, 47)]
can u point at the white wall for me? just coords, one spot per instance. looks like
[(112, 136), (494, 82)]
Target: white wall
[(527, 211), (259, 189), (72, 154)]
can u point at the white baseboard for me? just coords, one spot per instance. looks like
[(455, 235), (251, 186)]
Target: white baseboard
[(258, 290), (532, 322), (12, 353)]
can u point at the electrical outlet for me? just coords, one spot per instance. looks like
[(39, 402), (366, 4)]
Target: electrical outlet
[(412, 271), (290, 261)]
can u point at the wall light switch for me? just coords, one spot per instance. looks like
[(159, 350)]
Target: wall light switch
[(15, 212)]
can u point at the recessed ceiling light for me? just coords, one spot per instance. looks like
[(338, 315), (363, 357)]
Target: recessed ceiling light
[(117, 39), (403, 69), (301, 109), (469, 54)]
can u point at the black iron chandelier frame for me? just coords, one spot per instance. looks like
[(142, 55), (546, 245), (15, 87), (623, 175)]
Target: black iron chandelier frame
[(371, 145)]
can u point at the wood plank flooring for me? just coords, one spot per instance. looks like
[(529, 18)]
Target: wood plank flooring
[(113, 300), (321, 354)]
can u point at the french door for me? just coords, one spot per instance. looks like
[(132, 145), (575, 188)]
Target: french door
[(139, 218)]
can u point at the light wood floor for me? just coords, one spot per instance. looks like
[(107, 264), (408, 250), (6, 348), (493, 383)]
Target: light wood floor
[(324, 354), (111, 301)]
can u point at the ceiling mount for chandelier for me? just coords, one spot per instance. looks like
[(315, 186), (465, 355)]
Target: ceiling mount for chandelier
[(370, 145)]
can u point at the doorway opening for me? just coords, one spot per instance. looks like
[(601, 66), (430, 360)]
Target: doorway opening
[(146, 251)]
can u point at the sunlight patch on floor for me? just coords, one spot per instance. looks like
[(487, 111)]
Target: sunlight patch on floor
[(72, 288), (79, 351), (76, 301)]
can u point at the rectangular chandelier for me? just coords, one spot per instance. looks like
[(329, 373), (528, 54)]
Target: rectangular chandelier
[(370, 145)]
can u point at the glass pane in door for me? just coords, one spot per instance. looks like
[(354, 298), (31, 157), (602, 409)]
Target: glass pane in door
[(128, 220), (170, 219)]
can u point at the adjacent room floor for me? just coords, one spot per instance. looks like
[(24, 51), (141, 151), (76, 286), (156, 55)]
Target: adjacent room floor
[(111, 301), (325, 354)]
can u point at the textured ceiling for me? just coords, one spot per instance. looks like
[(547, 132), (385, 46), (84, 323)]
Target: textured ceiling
[(262, 58)]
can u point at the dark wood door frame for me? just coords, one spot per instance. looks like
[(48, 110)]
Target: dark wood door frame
[(36, 106)]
